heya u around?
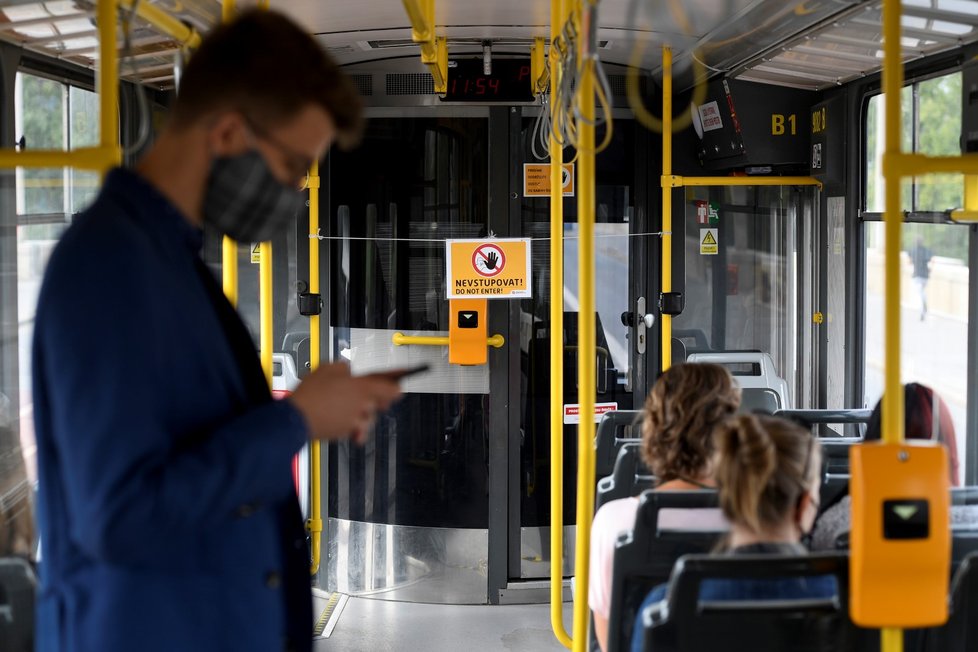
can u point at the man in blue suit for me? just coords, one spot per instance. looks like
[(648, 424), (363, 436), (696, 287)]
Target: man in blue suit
[(166, 506)]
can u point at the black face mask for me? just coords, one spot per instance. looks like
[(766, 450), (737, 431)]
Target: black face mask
[(245, 201)]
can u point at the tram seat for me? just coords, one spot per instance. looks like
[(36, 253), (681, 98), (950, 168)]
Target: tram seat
[(960, 633), (758, 399), (854, 421), (964, 544), (17, 588), (763, 389), (644, 557), (835, 454), (683, 622), (608, 440), (964, 535), (678, 351), (693, 340), (629, 478), (831, 488)]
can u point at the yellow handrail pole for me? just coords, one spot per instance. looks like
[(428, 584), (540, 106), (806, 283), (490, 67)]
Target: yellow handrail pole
[(265, 308), (557, 17), (969, 213), (666, 320), (229, 267), (496, 341), (97, 159), (164, 22), (315, 522), (108, 82), (586, 354), (909, 165), (229, 249), (108, 154), (891, 639), (676, 181), (434, 50), (892, 417)]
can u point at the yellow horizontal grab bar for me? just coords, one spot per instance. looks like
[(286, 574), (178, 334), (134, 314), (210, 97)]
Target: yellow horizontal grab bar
[(400, 339), (912, 165), (164, 22), (98, 159), (676, 181), (965, 216)]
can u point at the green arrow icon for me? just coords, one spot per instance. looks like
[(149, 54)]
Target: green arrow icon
[(906, 512)]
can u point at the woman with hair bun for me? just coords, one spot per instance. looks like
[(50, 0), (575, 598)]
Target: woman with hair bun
[(767, 472), (685, 405)]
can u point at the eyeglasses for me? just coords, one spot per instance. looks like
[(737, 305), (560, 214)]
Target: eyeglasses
[(297, 164)]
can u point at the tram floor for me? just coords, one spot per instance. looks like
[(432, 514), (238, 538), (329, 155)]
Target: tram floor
[(381, 626)]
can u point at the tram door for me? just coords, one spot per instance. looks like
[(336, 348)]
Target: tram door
[(449, 499), (622, 274)]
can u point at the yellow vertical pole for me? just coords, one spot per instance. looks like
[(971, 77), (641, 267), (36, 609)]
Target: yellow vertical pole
[(891, 639), (315, 523), (892, 418), (229, 267), (557, 16), (586, 339), (265, 308), (666, 320), (229, 251), (108, 79), (971, 192)]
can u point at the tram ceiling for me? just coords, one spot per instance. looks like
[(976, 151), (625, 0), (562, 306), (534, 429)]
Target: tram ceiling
[(810, 44)]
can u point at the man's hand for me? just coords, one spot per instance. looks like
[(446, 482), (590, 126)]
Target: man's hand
[(337, 405)]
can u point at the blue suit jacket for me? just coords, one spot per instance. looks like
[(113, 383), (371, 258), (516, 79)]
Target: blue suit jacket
[(166, 507)]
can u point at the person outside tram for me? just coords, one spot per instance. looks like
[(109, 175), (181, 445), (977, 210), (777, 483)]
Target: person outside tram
[(920, 256), (166, 506)]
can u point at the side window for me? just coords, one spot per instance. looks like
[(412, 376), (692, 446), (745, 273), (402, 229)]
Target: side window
[(83, 126), (40, 106), (934, 268), (52, 115), (49, 115), (931, 120)]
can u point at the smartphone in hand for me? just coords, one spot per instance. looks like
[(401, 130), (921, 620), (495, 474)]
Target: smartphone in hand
[(406, 372)]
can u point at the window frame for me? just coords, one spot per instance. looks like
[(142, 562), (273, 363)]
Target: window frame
[(67, 82), (914, 215), (928, 69)]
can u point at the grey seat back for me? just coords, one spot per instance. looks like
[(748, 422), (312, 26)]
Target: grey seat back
[(629, 478), (689, 623), (17, 589)]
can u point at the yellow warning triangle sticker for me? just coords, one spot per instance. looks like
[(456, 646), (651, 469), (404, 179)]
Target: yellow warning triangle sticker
[(709, 239)]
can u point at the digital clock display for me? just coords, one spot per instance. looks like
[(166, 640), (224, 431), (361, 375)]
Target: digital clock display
[(509, 81)]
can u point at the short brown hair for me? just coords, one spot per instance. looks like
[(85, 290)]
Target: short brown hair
[(764, 466), (685, 405), (268, 68)]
